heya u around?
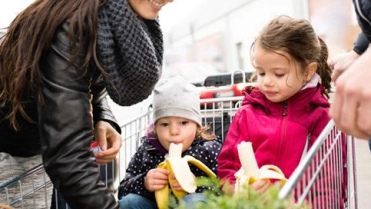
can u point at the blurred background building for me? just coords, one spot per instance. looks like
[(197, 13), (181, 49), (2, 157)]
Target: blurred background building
[(218, 35), (204, 37), (208, 37)]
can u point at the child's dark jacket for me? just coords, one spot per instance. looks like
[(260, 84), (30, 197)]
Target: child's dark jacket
[(148, 157)]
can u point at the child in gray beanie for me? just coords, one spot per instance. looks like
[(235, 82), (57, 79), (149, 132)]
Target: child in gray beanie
[(176, 119), (176, 97)]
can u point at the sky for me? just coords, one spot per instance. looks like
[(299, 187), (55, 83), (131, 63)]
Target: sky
[(170, 15)]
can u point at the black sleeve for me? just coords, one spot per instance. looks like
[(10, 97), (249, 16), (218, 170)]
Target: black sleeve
[(101, 108), (360, 44), (363, 12), (66, 129)]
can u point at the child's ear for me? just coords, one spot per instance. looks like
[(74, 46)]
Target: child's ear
[(199, 131), (311, 70)]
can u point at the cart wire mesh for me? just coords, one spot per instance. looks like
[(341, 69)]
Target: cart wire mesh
[(32, 189)]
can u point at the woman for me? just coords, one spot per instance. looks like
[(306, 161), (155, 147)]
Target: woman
[(58, 60)]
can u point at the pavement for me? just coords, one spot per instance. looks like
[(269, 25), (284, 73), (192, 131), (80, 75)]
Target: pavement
[(363, 173)]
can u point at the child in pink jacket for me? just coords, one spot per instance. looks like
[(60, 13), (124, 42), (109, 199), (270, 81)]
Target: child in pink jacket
[(289, 106)]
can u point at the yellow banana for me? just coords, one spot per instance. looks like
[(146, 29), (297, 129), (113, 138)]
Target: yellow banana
[(250, 171), (179, 167)]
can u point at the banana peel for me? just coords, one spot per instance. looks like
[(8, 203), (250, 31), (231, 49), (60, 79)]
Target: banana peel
[(179, 167), (250, 172)]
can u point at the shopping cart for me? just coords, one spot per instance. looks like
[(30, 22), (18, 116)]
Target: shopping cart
[(218, 117), (31, 189), (320, 177), (326, 156)]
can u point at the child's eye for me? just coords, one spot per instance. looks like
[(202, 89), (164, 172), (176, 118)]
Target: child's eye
[(185, 122), (164, 124), (261, 74), (280, 75)]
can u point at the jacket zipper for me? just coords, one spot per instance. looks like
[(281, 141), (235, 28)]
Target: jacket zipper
[(282, 141), (284, 111)]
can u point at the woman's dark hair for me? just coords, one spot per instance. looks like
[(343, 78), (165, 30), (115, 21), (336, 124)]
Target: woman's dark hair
[(29, 36), (298, 38)]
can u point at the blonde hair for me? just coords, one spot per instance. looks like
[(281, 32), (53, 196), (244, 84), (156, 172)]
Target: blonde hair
[(206, 133)]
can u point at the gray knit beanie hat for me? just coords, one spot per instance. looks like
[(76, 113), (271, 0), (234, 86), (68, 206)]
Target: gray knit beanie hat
[(176, 97)]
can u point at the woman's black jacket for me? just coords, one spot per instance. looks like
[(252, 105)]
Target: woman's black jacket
[(363, 11), (74, 100)]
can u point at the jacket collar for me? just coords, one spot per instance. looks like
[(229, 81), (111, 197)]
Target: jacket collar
[(304, 100)]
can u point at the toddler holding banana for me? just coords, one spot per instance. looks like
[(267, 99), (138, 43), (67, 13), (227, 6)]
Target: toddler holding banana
[(160, 165)]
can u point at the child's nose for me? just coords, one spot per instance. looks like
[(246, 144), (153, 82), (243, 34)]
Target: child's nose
[(268, 80), (174, 130)]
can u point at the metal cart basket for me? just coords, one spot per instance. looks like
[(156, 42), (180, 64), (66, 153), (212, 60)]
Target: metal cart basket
[(326, 174), (325, 156)]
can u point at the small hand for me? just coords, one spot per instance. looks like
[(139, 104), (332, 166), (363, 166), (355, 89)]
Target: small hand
[(109, 141), (175, 185), (227, 187), (156, 179), (260, 186)]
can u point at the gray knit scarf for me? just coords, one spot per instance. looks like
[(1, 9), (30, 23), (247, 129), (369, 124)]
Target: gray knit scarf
[(130, 50)]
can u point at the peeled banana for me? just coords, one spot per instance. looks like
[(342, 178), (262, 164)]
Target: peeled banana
[(250, 172), (179, 167)]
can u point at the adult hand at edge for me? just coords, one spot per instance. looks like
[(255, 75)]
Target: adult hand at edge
[(351, 107), (341, 62)]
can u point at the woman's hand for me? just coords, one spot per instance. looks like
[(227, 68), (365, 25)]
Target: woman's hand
[(109, 141), (156, 179)]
